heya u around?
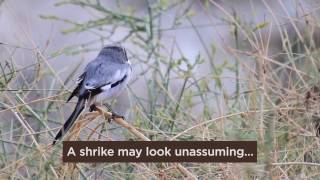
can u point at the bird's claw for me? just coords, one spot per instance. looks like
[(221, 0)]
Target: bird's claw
[(113, 114), (92, 108), (113, 117)]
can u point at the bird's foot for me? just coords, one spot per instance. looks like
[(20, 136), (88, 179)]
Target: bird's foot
[(113, 114), (92, 108)]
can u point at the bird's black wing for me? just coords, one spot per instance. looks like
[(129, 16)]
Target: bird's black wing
[(75, 92), (78, 109)]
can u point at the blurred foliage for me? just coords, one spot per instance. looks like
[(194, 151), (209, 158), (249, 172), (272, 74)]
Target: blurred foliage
[(273, 99)]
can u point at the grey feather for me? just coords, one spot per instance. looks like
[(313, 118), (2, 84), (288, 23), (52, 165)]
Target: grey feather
[(103, 78)]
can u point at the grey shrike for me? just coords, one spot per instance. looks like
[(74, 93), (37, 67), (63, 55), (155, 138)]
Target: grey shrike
[(103, 79)]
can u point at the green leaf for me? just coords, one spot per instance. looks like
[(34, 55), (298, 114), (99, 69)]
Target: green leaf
[(260, 26)]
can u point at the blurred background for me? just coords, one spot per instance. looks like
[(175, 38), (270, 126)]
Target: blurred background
[(203, 70)]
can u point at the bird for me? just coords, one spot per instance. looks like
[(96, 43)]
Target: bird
[(103, 79)]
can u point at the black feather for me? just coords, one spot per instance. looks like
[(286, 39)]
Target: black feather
[(73, 117), (75, 92)]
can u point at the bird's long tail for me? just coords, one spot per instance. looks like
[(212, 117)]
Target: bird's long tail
[(73, 117)]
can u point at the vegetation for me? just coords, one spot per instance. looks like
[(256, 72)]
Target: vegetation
[(237, 89)]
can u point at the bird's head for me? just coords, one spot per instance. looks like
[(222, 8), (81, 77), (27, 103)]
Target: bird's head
[(114, 53)]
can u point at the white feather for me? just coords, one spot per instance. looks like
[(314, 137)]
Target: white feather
[(89, 87), (108, 92), (106, 87), (117, 76), (78, 80)]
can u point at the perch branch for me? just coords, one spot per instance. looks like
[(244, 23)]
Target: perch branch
[(138, 134)]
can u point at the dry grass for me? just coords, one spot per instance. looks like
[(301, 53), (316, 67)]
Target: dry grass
[(266, 90)]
